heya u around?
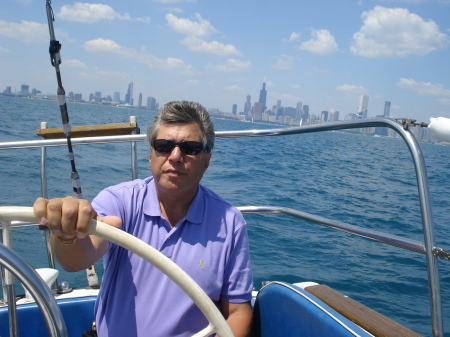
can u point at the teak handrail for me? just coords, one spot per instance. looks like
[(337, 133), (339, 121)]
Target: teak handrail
[(113, 129)]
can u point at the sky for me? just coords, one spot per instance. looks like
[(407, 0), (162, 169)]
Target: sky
[(323, 53)]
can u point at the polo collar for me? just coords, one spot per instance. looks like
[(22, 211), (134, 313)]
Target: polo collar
[(194, 214)]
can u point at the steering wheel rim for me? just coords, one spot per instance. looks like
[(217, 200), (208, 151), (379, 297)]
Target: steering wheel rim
[(217, 323)]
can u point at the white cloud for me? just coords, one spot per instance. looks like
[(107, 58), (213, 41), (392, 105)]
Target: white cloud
[(111, 47), (93, 72), (284, 62), (144, 19), (196, 44), (107, 46), (289, 97), (232, 65), (27, 31), (195, 31), (293, 37), (322, 42), (199, 28), (4, 50), (75, 64), (395, 32), (295, 86), (91, 13), (351, 89), (174, 9), (444, 101), (233, 87), (424, 88), (111, 74)]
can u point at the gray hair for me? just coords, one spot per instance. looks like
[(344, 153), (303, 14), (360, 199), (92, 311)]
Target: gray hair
[(184, 112)]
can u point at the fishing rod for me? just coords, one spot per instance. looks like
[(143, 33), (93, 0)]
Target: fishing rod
[(55, 58)]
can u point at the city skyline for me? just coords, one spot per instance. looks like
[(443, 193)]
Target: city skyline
[(326, 53), (250, 111)]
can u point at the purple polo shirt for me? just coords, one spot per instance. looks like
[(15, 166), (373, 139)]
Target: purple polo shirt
[(210, 243)]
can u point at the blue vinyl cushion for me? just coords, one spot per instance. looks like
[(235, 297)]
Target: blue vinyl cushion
[(78, 314), (283, 309)]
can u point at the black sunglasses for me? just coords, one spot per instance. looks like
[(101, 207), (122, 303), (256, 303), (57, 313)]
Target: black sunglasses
[(187, 147)]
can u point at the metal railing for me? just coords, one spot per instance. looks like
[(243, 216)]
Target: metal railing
[(427, 247)]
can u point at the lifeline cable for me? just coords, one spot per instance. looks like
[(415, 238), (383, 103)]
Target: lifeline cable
[(55, 58)]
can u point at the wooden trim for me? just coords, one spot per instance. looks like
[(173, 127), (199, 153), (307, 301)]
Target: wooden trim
[(368, 319), (114, 129)]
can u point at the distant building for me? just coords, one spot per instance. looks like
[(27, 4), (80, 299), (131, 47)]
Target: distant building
[(140, 100), (247, 105), (257, 111), (25, 90), (77, 97), (363, 106), (333, 115), (324, 116), (234, 109), (116, 97), (291, 112), (299, 111), (280, 112), (277, 110), (7, 91), (263, 97), (387, 109), (129, 95), (98, 96), (151, 103), (305, 114)]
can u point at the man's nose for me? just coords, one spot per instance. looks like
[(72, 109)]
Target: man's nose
[(176, 153)]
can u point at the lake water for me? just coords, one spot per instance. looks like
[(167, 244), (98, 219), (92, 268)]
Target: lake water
[(361, 180)]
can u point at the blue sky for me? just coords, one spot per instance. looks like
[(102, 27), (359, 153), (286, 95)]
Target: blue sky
[(324, 53)]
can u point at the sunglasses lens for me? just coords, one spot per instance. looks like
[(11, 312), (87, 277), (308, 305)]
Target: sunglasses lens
[(166, 146), (163, 145), (191, 148)]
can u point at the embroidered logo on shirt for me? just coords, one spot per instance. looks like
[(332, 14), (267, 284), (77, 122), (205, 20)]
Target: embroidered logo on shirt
[(201, 264)]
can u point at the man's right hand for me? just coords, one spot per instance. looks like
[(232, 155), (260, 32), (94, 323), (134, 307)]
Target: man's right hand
[(67, 218)]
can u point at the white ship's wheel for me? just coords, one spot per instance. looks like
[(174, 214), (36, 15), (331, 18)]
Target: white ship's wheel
[(217, 323)]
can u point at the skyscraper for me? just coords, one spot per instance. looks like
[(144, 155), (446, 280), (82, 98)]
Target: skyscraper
[(363, 106), (277, 109), (263, 97), (151, 103), (234, 110), (257, 111), (25, 90), (129, 95), (247, 105), (299, 111), (140, 100), (116, 97), (305, 114), (387, 109)]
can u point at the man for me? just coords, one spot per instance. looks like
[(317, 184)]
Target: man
[(171, 211)]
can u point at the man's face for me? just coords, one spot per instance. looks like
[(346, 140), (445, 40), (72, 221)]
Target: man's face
[(176, 172)]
